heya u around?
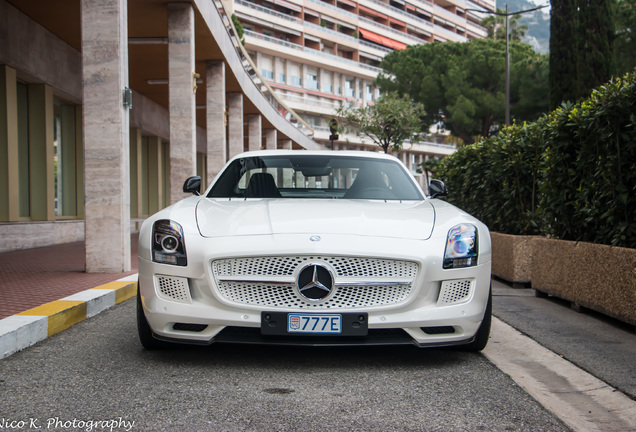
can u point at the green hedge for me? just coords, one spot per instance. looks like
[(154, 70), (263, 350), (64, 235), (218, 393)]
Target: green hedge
[(570, 175)]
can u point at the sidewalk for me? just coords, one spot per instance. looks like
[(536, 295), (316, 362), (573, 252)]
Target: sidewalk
[(33, 277), (46, 290)]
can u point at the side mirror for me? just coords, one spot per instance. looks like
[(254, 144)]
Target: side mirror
[(437, 188), (192, 185)]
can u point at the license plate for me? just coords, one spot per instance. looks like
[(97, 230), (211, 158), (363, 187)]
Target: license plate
[(314, 324), (322, 324)]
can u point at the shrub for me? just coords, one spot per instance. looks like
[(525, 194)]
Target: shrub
[(570, 175), (589, 188)]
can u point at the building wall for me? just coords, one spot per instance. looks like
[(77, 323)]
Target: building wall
[(320, 54), (41, 148)]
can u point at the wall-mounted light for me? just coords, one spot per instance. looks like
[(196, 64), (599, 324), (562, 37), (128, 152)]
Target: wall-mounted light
[(195, 80), (127, 98)]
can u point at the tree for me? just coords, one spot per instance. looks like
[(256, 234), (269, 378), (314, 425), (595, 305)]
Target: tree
[(625, 36), (389, 123), (462, 85), (563, 52), (581, 58), (496, 26), (596, 34)]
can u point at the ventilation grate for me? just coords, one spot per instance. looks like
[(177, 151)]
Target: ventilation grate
[(382, 274), (343, 266), (454, 292), (174, 288)]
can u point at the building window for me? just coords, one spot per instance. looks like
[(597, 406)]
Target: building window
[(370, 93), (266, 66), (312, 78), (65, 154), (267, 74), (349, 90), (294, 74), (23, 150)]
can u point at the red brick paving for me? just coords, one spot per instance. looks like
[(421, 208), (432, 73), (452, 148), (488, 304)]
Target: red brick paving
[(33, 277)]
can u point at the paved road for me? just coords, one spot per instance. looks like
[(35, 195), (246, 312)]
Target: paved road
[(603, 347), (97, 371)]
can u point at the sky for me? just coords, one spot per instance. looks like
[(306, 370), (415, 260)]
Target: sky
[(541, 3)]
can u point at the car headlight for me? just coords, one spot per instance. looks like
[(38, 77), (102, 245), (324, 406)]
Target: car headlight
[(167, 243), (461, 247)]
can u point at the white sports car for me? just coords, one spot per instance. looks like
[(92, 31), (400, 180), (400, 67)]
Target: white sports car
[(314, 248)]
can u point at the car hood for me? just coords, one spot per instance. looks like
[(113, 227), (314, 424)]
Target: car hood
[(224, 217)]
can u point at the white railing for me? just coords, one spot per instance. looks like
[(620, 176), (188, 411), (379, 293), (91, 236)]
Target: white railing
[(268, 11), (392, 9), (297, 47), (410, 37), (258, 81)]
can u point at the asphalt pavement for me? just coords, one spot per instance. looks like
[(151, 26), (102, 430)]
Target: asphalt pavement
[(604, 347)]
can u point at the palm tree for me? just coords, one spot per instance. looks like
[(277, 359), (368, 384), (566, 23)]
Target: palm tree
[(496, 26)]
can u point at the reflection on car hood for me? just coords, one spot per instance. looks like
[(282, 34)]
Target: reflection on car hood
[(224, 217)]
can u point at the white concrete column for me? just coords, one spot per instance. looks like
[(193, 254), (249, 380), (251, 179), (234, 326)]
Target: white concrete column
[(286, 144), (255, 132), (182, 102), (216, 120), (235, 123), (271, 138), (106, 135)]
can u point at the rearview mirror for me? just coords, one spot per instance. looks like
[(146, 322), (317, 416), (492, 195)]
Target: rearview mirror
[(437, 188), (192, 185)]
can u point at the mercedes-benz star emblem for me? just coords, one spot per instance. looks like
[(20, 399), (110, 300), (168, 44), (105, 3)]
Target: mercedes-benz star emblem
[(315, 282)]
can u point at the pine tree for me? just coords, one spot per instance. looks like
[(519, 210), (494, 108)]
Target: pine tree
[(563, 52)]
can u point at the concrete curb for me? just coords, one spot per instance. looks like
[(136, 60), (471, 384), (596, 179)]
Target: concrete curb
[(30, 327)]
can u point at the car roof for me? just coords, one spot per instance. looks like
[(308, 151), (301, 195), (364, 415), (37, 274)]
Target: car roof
[(331, 153)]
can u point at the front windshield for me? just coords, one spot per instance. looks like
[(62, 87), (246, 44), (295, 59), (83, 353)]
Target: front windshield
[(315, 176)]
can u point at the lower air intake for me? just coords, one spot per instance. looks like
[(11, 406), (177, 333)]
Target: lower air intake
[(438, 330), (174, 288), (455, 292), (189, 327)]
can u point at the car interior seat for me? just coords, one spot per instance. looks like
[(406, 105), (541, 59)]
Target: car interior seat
[(262, 185)]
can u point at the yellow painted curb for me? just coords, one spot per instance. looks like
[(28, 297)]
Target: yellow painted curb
[(123, 290), (61, 314)]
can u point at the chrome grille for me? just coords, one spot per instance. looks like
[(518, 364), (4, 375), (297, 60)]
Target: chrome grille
[(271, 281)]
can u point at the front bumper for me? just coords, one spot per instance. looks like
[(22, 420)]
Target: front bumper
[(426, 317)]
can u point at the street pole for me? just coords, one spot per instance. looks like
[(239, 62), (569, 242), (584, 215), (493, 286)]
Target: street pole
[(507, 69), (507, 14)]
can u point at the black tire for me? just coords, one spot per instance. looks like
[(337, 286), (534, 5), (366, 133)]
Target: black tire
[(483, 333), (143, 328)]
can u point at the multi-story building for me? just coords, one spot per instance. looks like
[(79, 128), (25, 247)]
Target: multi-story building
[(319, 54), (106, 106)]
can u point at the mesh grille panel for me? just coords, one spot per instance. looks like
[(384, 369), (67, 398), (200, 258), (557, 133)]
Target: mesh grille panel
[(174, 288), (285, 266), (454, 291), (286, 295)]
